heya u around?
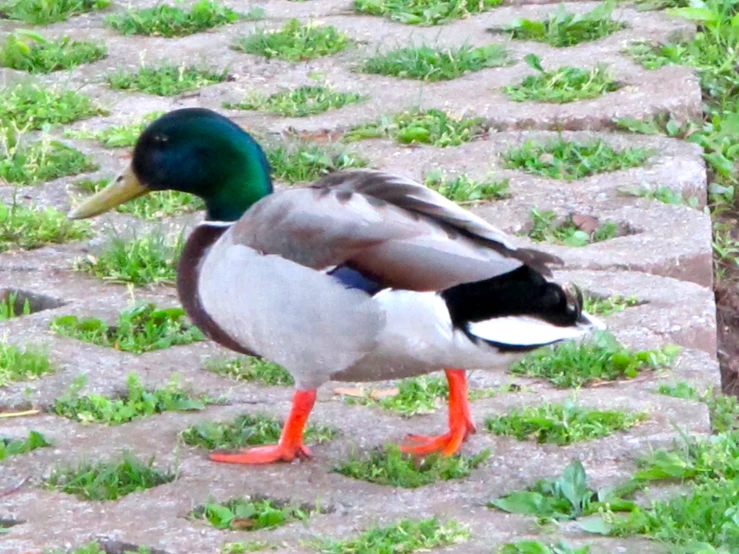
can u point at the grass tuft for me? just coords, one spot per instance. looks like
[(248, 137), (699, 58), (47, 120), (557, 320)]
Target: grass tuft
[(609, 305), (251, 514), (172, 21), (295, 41), (136, 402), (300, 160), (29, 106), (602, 358), (27, 227), (723, 408), (546, 228), (563, 28), (148, 259), (250, 368), (663, 194), (28, 163), (566, 497), (404, 537), (108, 480), (464, 189), (300, 102), (570, 160), (538, 547), (11, 306), (435, 64), (43, 12), (139, 328), (247, 430), (11, 447), (152, 206), (166, 79), (20, 364), (115, 136), (389, 466), (424, 12), (561, 423), (30, 51), (434, 127), (240, 547), (562, 85), (649, 54)]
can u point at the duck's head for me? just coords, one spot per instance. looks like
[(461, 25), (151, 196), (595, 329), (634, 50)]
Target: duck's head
[(192, 150)]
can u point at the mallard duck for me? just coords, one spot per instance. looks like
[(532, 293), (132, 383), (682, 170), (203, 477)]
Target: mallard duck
[(361, 276)]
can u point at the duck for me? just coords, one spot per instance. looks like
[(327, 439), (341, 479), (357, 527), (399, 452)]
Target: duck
[(361, 276)]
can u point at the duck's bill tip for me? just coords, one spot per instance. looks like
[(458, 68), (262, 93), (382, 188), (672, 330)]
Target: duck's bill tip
[(123, 188)]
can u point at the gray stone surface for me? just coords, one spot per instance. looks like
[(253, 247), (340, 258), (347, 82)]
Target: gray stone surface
[(665, 261)]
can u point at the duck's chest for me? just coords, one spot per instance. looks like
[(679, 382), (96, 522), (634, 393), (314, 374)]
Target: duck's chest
[(188, 275)]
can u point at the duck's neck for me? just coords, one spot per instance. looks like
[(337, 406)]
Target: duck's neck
[(242, 180)]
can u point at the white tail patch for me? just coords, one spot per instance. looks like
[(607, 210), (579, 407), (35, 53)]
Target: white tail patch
[(530, 331)]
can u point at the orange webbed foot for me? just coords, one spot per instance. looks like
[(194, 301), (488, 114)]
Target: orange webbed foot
[(261, 454), (460, 421)]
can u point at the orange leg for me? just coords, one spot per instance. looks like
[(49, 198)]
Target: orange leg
[(460, 421), (290, 445)]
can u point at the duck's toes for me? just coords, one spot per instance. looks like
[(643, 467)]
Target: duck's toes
[(261, 454), (448, 443)]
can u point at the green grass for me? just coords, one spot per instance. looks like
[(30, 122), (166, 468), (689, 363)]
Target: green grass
[(649, 54), (295, 41), (154, 205), (464, 189), (139, 328), (21, 364), (602, 358), (538, 547), (94, 547), (562, 28), (404, 537), (247, 430), (424, 12), (115, 136), (723, 408), (30, 51), (301, 160), (24, 162), (561, 423), (108, 480), (705, 511), (570, 160), (609, 305), (546, 228), (435, 64), (11, 447), (300, 102), (251, 514), (12, 306), (240, 547), (564, 498), (562, 85), (147, 259), (29, 106), (389, 466), (134, 403), (663, 194), (27, 227), (166, 20), (166, 79), (42, 12), (415, 395), (663, 123), (250, 368), (434, 127)]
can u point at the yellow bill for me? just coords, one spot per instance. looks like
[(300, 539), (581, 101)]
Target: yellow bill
[(123, 188)]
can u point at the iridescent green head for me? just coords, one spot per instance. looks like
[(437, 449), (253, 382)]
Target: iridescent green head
[(192, 150)]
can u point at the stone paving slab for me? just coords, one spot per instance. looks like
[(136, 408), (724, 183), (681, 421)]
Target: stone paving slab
[(665, 261)]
